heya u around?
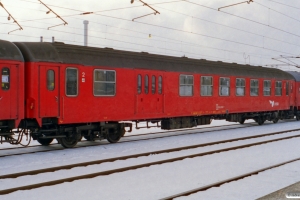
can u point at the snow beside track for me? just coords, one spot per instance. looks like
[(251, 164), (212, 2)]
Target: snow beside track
[(160, 180)]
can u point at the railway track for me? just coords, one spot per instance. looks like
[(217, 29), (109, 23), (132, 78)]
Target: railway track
[(144, 134), (124, 169), (82, 144), (236, 178)]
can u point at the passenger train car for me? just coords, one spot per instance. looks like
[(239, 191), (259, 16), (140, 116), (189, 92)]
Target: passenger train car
[(11, 88), (74, 91)]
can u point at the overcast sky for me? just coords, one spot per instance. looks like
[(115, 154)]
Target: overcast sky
[(247, 33)]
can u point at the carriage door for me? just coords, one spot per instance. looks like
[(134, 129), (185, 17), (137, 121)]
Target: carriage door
[(8, 91), (49, 91), (149, 92)]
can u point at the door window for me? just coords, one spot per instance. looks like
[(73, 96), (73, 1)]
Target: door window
[(71, 82), (50, 80), (5, 79)]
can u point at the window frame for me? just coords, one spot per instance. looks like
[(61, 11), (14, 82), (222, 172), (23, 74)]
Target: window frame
[(77, 92), (186, 75), (115, 82), (220, 87), (212, 86), (270, 88), (236, 87), (254, 87), (287, 87), (278, 87)]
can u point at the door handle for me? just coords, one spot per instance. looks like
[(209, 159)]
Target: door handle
[(56, 98), (1, 98)]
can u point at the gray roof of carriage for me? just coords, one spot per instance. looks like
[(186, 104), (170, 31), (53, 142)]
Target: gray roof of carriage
[(107, 57), (9, 51), (296, 75)]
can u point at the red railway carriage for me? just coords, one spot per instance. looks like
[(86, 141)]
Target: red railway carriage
[(12, 88), (296, 90), (74, 91)]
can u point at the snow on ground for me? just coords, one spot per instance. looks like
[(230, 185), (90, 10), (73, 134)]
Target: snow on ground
[(135, 131), (68, 156), (10, 183), (160, 181), (253, 187)]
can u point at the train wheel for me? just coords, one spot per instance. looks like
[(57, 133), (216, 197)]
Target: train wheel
[(275, 120), (45, 141), (68, 142), (260, 120), (297, 117), (242, 121), (114, 135)]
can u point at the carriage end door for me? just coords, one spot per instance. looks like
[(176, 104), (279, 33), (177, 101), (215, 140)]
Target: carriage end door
[(49, 91)]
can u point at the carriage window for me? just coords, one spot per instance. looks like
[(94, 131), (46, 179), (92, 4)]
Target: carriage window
[(104, 82), (186, 85), (240, 87), (5, 79), (71, 82), (224, 86), (206, 86), (153, 84), (160, 85), (287, 88), (254, 87), (267, 88), (278, 88), (50, 80), (146, 84), (139, 88)]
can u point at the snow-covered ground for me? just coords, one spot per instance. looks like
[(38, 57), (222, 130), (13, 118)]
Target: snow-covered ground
[(160, 181)]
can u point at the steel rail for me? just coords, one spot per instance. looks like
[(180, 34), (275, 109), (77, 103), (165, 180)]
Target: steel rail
[(97, 144), (92, 175), (84, 164), (218, 184)]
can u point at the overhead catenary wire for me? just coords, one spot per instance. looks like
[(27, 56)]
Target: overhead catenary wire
[(284, 4), (10, 16), (264, 48), (244, 18), (50, 10), (278, 12), (153, 4), (100, 11)]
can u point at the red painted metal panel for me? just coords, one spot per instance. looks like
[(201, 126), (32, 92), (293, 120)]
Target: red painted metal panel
[(127, 104), (48, 91), (12, 91)]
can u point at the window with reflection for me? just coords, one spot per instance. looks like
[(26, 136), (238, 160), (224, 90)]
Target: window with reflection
[(224, 89), (71, 82), (206, 86), (5, 83), (50, 80), (254, 87), (278, 88), (240, 87), (186, 85), (104, 82), (267, 88)]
